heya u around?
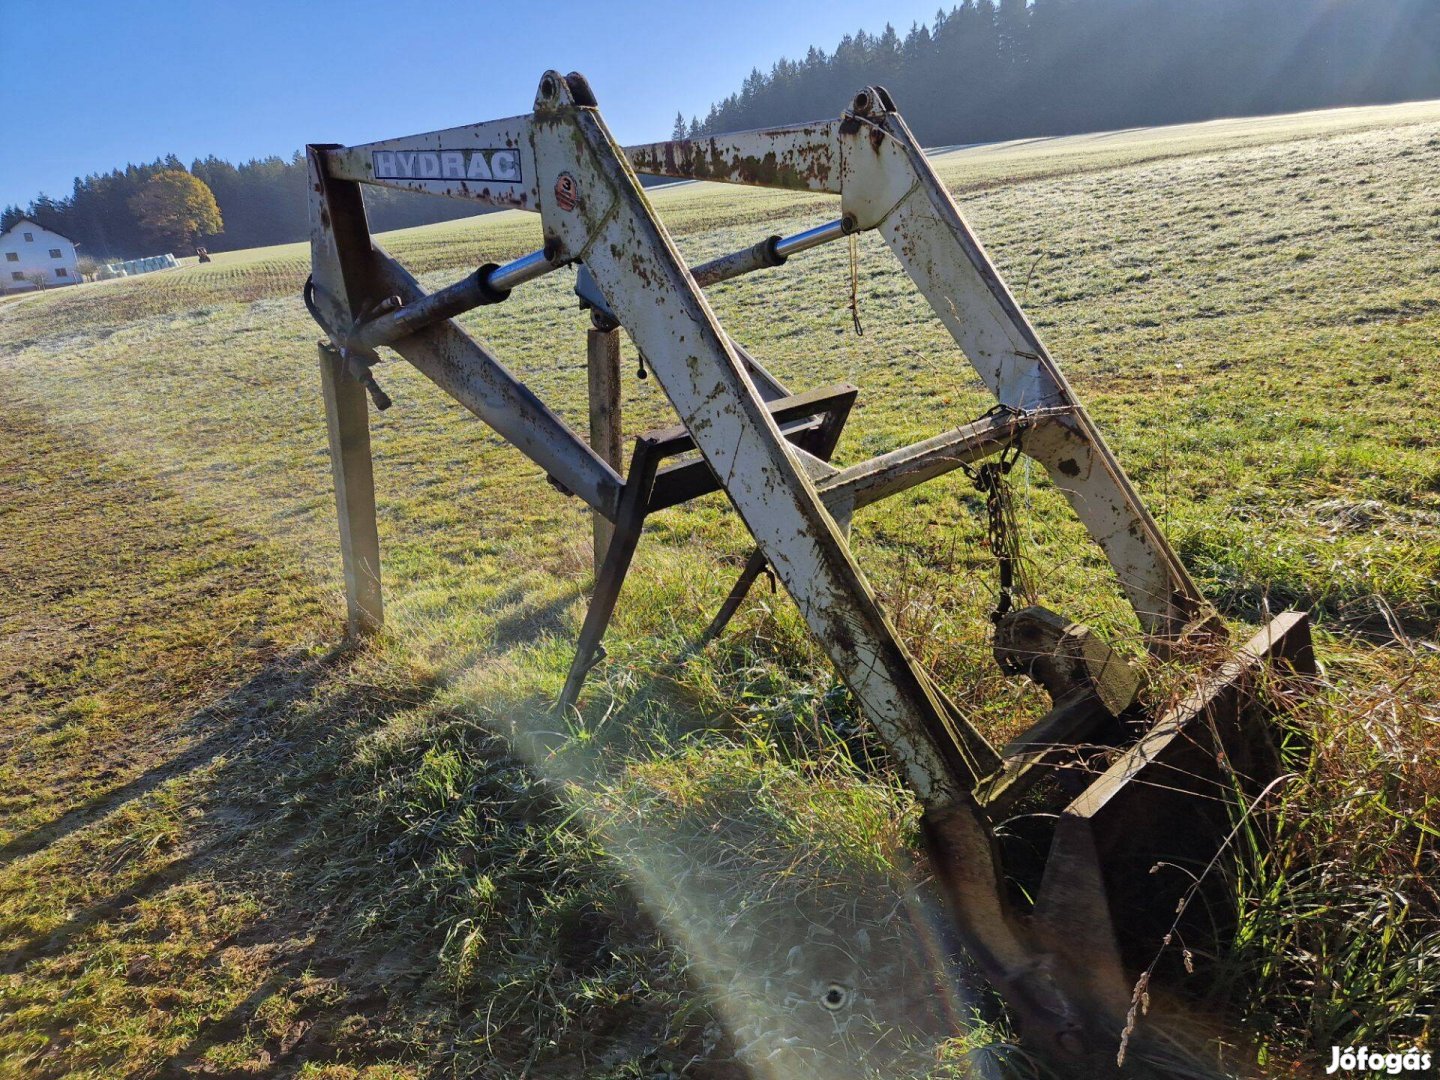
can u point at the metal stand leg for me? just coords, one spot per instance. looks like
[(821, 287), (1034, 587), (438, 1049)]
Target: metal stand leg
[(754, 567), (602, 355), (634, 502), (348, 422), (823, 448)]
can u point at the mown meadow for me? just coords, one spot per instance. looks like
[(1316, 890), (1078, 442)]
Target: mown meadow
[(232, 845)]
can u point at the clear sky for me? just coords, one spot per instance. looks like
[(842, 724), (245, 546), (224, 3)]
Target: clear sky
[(86, 85)]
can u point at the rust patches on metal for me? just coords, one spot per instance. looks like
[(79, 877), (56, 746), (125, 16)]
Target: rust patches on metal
[(801, 159)]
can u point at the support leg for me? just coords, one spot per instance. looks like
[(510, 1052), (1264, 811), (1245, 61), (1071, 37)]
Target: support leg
[(602, 356), (754, 567), (634, 501), (346, 412), (823, 447)]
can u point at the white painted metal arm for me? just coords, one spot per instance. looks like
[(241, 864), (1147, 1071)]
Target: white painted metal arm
[(349, 270), (886, 182), (804, 157), (611, 228), (488, 163), (890, 185)]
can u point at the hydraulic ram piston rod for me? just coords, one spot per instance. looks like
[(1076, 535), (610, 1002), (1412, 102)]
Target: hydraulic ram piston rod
[(772, 251), (491, 283), (488, 285), (810, 238)]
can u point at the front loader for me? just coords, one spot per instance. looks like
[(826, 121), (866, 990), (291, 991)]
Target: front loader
[(1067, 950)]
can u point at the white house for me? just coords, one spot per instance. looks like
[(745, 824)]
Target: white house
[(29, 254)]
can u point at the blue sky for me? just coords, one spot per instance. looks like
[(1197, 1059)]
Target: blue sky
[(88, 85)]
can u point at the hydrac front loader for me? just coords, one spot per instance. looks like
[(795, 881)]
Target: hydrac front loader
[(1065, 945)]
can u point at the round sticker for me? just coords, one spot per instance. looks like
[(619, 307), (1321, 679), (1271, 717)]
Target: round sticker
[(567, 194)]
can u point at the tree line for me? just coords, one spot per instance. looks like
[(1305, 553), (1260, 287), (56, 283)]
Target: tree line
[(261, 202), (1003, 69), (980, 71)]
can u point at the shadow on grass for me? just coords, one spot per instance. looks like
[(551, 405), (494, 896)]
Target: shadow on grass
[(305, 1040), (54, 942), (38, 839), (289, 678), (291, 725), (305, 742), (530, 623)]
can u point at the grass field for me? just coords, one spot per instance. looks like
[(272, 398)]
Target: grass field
[(231, 847)]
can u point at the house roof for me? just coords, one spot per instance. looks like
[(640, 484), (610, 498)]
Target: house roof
[(35, 225)]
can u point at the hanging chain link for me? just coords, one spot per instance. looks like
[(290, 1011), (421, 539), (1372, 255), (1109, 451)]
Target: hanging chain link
[(1002, 533)]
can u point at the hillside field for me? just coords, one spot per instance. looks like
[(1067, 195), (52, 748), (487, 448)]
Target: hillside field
[(231, 846)]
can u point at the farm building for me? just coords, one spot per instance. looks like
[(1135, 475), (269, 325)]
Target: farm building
[(32, 257)]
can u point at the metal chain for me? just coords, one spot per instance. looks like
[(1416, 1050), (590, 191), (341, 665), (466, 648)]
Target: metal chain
[(1002, 531)]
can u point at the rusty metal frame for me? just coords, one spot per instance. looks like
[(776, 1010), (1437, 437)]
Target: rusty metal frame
[(769, 451), (648, 489), (885, 182)]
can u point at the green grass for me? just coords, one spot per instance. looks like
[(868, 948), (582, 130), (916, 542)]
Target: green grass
[(227, 845)]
